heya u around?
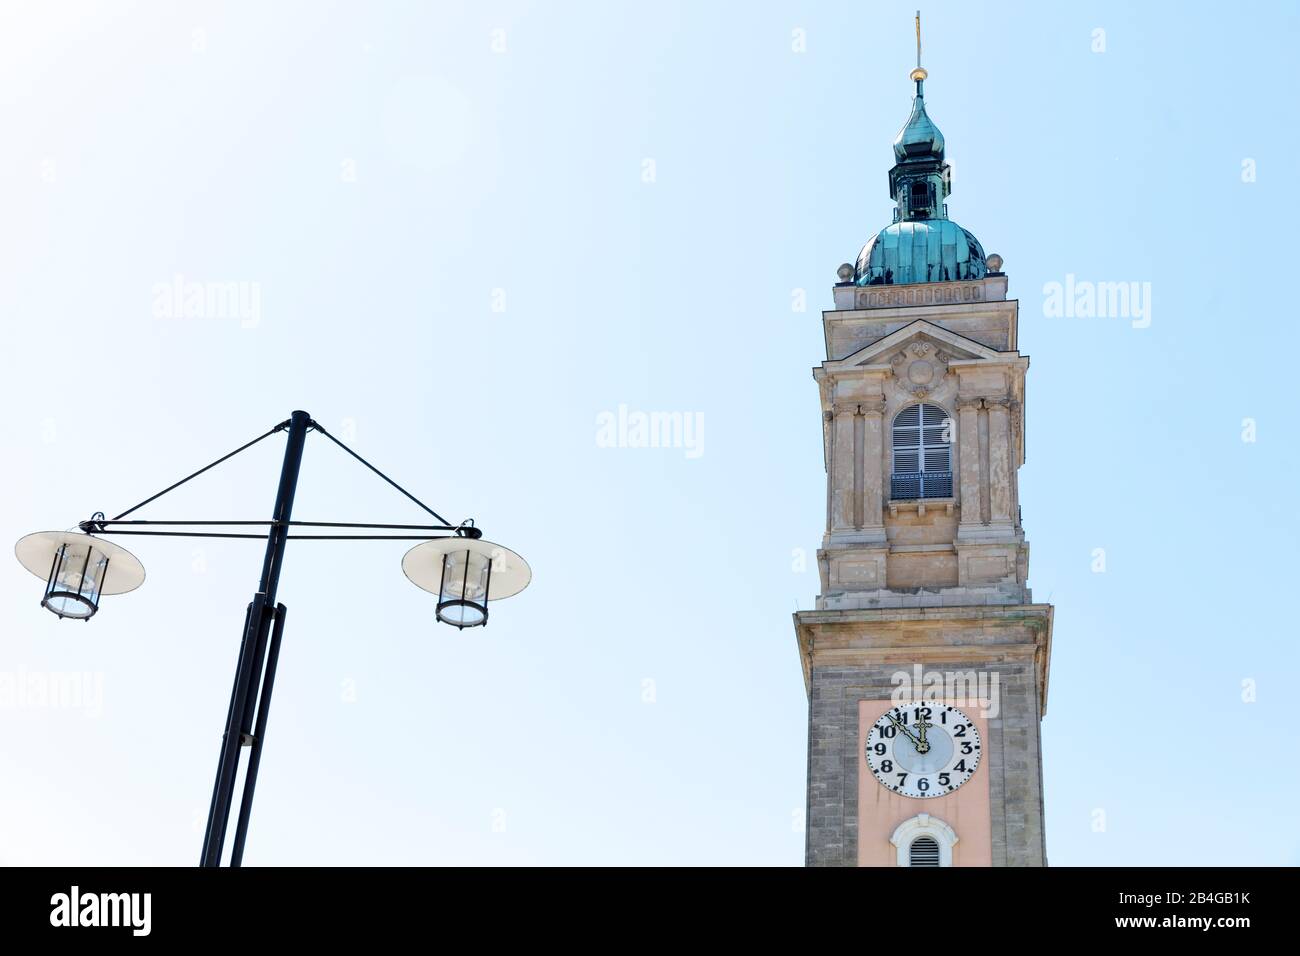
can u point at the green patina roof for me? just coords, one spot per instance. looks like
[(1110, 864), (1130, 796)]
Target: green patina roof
[(922, 244), (919, 138), (920, 250)]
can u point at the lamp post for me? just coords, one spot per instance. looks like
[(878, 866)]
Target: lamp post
[(79, 568)]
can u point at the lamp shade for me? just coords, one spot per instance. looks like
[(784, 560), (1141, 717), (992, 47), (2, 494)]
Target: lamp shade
[(78, 570), (465, 573)]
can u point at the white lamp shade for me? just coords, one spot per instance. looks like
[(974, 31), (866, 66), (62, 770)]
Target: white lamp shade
[(36, 552), (423, 565)]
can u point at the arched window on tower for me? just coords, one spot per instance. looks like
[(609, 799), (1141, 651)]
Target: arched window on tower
[(922, 441), (919, 201), (924, 841)]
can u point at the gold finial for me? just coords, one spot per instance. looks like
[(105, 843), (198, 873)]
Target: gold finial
[(919, 73)]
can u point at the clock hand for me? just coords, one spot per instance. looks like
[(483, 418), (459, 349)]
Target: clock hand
[(906, 733), (923, 745)]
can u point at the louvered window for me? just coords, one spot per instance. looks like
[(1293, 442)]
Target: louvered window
[(924, 851), (922, 437)]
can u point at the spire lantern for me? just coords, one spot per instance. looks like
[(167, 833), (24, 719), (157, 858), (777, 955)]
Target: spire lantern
[(919, 139), (922, 244)]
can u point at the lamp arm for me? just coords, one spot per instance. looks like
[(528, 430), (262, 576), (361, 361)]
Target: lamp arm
[(105, 527), (98, 524), (316, 425), (278, 428)]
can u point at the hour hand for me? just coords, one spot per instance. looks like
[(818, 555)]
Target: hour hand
[(923, 745)]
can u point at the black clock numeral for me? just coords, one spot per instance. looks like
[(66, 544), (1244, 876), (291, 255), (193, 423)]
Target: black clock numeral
[(923, 784), (886, 766), (966, 747), (888, 732), (922, 713), (943, 717), (944, 779), (880, 750), (959, 731), (902, 779), (960, 767)]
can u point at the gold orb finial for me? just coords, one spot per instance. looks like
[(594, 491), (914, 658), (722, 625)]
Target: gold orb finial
[(919, 74)]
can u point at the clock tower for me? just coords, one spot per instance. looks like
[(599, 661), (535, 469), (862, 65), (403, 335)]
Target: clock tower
[(925, 659)]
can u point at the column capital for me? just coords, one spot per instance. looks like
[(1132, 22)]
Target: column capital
[(964, 403), (872, 408), (1000, 402), (846, 408)]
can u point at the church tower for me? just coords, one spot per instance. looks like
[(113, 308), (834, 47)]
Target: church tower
[(925, 659)]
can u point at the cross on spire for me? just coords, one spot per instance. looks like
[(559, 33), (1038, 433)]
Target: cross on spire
[(918, 39), (919, 73)]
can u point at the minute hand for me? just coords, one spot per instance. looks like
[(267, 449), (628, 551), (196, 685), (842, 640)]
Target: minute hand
[(907, 733)]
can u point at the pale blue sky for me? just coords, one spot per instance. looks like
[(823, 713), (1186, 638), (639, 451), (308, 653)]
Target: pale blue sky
[(383, 175)]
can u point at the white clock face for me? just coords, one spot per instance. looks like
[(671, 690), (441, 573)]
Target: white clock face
[(923, 749)]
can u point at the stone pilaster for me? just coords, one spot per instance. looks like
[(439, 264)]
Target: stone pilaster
[(1000, 469), (828, 429), (873, 469), (1017, 458), (968, 450), (841, 476)]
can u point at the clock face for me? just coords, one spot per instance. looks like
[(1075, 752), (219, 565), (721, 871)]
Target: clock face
[(923, 749)]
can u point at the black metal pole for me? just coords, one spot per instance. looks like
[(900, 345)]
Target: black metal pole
[(228, 763), (234, 699), (253, 649), (259, 736)]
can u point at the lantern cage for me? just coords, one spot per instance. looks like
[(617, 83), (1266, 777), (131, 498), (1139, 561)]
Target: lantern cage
[(466, 573), (78, 569)]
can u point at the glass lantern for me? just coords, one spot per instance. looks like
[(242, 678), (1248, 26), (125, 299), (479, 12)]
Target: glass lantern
[(463, 591), (466, 573), (76, 578), (78, 570)]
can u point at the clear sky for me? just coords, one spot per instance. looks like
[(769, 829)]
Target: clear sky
[(464, 232)]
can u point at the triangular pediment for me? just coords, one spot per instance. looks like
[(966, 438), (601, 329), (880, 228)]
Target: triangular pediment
[(879, 352)]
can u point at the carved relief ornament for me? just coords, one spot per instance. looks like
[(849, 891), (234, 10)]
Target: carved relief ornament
[(919, 369)]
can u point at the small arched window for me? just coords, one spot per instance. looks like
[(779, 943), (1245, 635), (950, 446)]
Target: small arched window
[(924, 841), (922, 440), (924, 851), (920, 198)]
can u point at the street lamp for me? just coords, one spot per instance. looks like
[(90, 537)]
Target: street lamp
[(80, 568), (465, 574)]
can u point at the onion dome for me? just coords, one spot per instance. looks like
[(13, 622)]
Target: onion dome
[(919, 138), (921, 250), (922, 244)]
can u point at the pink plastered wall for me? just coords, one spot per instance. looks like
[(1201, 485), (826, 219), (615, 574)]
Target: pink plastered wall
[(880, 811)]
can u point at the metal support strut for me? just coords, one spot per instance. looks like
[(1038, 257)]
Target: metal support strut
[(251, 683)]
